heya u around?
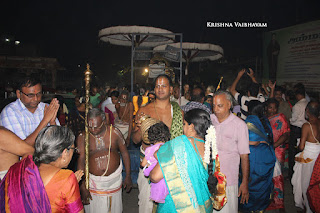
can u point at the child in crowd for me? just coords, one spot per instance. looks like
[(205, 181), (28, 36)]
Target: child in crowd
[(158, 134)]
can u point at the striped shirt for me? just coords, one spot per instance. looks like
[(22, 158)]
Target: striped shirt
[(244, 100), (18, 119)]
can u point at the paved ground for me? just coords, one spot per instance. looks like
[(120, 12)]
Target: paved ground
[(130, 200)]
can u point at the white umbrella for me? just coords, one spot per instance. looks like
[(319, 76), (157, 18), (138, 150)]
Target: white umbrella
[(122, 35), (193, 52)]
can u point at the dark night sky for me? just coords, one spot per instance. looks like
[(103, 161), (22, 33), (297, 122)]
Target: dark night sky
[(68, 30)]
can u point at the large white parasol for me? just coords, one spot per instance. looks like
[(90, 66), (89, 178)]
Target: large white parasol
[(193, 52), (122, 35), (137, 37)]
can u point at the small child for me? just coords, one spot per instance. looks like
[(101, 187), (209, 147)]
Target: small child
[(158, 134)]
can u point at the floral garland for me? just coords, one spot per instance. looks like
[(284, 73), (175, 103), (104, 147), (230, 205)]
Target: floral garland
[(210, 142)]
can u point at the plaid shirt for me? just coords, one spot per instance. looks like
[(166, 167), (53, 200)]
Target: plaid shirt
[(194, 105), (17, 118)]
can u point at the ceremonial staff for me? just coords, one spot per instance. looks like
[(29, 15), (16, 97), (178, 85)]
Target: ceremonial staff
[(87, 77)]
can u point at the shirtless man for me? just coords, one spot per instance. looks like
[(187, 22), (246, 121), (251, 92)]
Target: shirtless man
[(11, 147), (105, 166), (305, 160), (168, 113), (125, 116)]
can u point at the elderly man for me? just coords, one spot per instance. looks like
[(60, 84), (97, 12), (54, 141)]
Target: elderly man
[(233, 145), (105, 165), (28, 115), (171, 115), (11, 147)]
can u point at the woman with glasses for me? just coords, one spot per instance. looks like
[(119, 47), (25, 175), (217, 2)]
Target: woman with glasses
[(39, 183)]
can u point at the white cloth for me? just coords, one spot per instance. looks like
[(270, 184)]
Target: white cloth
[(232, 201), (302, 174), (2, 174), (105, 103), (298, 113), (145, 204), (184, 101), (123, 127), (106, 191)]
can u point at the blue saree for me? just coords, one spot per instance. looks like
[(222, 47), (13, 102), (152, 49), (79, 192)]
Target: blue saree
[(262, 160), (186, 178)]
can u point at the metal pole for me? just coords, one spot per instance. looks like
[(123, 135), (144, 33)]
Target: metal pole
[(180, 66), (132, 68), (87, 79)]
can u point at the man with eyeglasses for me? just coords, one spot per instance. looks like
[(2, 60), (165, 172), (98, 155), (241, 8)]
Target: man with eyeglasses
[(28, 115)]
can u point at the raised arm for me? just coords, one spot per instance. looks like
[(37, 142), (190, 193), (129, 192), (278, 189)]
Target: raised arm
[(50, 114), (251, 75), (233, 86), (272, 86)]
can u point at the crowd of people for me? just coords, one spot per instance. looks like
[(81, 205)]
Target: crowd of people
[(202, 149)]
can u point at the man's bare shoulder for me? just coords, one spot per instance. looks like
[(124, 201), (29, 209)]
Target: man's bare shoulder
[(117, 135)]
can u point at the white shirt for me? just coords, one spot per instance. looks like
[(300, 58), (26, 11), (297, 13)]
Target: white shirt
[(184, 101), (298, 113), (105, 103)]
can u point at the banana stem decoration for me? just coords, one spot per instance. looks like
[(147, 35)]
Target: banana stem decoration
[(87, 78)]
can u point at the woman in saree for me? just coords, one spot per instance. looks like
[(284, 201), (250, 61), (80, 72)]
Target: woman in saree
[(38, 183), (262, 159), (180, 163), (281, 131)]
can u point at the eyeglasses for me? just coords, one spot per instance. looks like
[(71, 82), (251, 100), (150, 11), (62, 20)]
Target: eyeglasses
[(76, 150), (31, 95)]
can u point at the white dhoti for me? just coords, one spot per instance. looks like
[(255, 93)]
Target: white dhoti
[(145, 204), (106, 193), (2, 174), (304, 163), (232, 201), (123, 127)]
